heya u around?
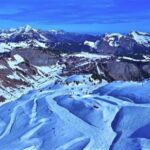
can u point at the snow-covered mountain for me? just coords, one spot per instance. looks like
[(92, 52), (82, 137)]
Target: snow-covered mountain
[(75, 101), (134, 43), (23, 37), (114, 39), (107, 67), (141, 38), (76, 113), (60, 41), (20, 69), (28, 37), (24, 70)]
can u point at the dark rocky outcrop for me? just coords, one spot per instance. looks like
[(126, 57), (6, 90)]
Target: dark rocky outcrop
[(21, 69), (111, 69)]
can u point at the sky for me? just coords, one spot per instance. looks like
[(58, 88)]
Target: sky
[(90, 16)]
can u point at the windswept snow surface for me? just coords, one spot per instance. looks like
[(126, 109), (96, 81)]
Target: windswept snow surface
[(76, 113)]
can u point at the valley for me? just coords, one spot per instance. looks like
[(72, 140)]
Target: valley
[(71, 91)]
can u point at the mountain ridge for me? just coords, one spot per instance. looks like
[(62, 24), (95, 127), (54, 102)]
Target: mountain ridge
[(60, 41)]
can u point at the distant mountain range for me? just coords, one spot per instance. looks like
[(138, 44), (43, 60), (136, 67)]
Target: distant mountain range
[(134, 43), (74, 91), (27, 37), (27, 55)]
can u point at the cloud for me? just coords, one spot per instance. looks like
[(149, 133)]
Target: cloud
[(56, 12)]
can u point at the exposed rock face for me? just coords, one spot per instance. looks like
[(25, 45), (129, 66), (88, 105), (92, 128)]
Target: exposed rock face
[(24, 69), (146, 69), (103, 47), (110, 69), (122, 71), (134, 43), (2, 99), (37, 57)]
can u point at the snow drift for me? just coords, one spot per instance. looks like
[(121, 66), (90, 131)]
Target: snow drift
[(74, 112)]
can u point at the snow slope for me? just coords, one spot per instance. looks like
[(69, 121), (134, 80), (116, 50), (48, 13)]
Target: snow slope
[(76, 113), (113, 39), (91, 44), (16, 76), (141, 38)]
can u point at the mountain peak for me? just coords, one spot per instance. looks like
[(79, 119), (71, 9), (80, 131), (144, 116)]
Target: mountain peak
[(27, 28), (139, 33)]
